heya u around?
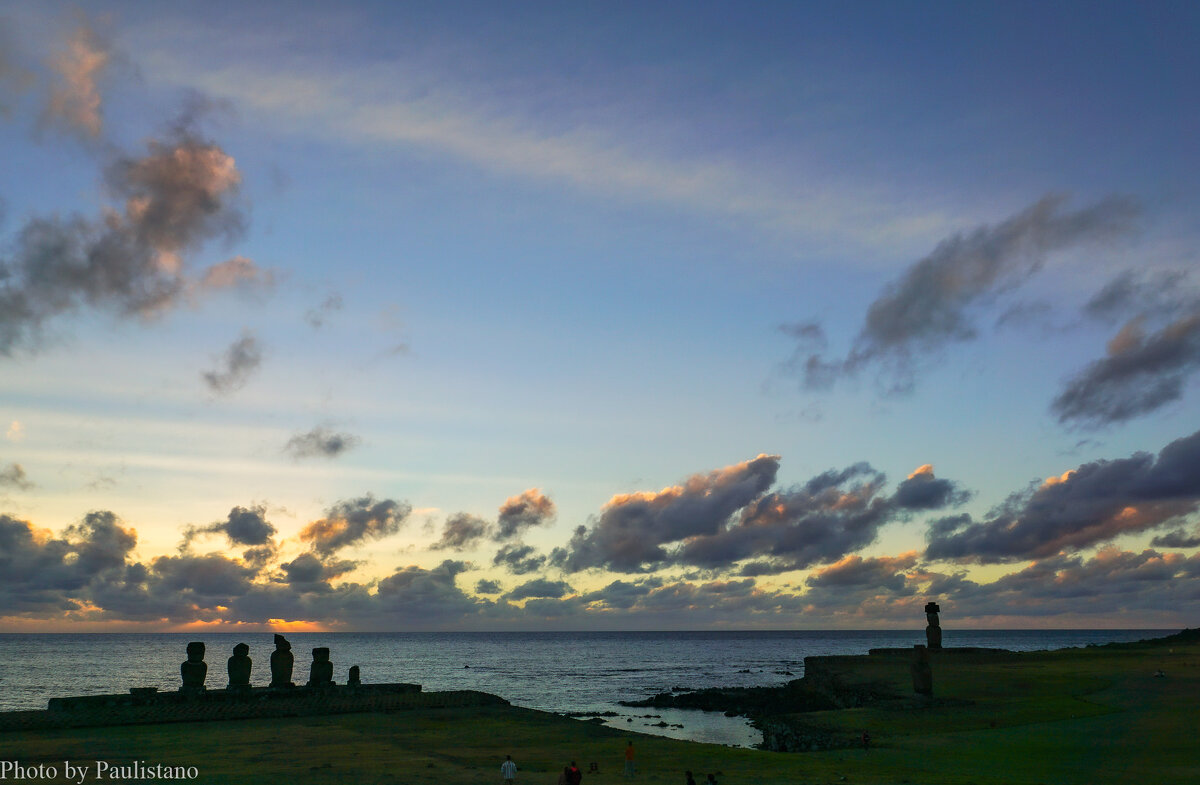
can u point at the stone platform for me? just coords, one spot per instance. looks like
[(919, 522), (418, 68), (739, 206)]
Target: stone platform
[(148, 706)]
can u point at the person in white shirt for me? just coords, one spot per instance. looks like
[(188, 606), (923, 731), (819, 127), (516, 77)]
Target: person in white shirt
[(508, 770)]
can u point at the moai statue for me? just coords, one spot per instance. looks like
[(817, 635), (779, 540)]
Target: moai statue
[(321, 672), (933, 633), (354, 681), (239, 668), (194, 670), (922, 671), (282, 661)]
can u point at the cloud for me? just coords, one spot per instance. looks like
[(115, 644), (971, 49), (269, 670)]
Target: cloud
[(237, 271), (211, 577), (922, 491), (875, 573), (320, 442), (461, 531), (44, 574), (1131, 294), (1087, 506), (518, 513), (717, 520), (131, 261), (485, 586), (1176, 539), (14, 78), (15, 431), (1112, 583), (241, 359), (633, 527), (1140, 374), (378, 106), (13, 476), (316, 317), (352, 521), (539, 587), (622, 594), (831, 515), (75, 102), (932, 303), (243, 526), (518, 559), (308, 572), (426, 597)]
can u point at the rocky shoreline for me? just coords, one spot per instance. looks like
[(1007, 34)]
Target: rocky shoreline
[(829, 683)]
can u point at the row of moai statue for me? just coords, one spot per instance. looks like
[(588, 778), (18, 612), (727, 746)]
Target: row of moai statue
[(320, 673)]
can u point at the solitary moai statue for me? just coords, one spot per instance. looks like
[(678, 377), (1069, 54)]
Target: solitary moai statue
[(194, 669), (282, 661), (239, 668), (933, 633), (321, 672), (922, 671), (355, 680)]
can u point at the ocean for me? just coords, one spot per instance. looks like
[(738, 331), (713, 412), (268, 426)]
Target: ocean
[(552, 671)]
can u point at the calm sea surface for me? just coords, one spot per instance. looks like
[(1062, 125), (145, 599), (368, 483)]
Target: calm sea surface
[(551, 671)]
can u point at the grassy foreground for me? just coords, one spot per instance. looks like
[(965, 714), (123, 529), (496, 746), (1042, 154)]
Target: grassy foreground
[(1096, 715)]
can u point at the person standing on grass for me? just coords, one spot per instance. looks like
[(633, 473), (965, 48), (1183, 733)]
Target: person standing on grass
[(508, 770), (574, 774), (629, 768)]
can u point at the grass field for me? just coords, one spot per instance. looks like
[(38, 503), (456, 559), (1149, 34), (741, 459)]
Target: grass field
[(1096, 715)]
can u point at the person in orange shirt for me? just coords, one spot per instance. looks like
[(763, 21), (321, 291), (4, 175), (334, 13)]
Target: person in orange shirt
[(629, 769)]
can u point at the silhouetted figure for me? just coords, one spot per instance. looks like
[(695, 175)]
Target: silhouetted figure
[(194, 670), (922, 671), (354, 681), (282, 661), (690, 779), (239, 668), (933, 632), (866, 740), (320, 674)]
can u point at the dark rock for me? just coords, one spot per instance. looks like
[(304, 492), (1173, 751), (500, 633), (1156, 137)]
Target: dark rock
[(747, 701), (788, 734)]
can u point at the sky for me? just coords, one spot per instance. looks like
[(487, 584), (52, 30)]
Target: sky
[(480, 316)]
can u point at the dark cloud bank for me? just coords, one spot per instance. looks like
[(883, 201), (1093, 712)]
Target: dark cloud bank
[(1092, 504), (726, 527), (731, 516)]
